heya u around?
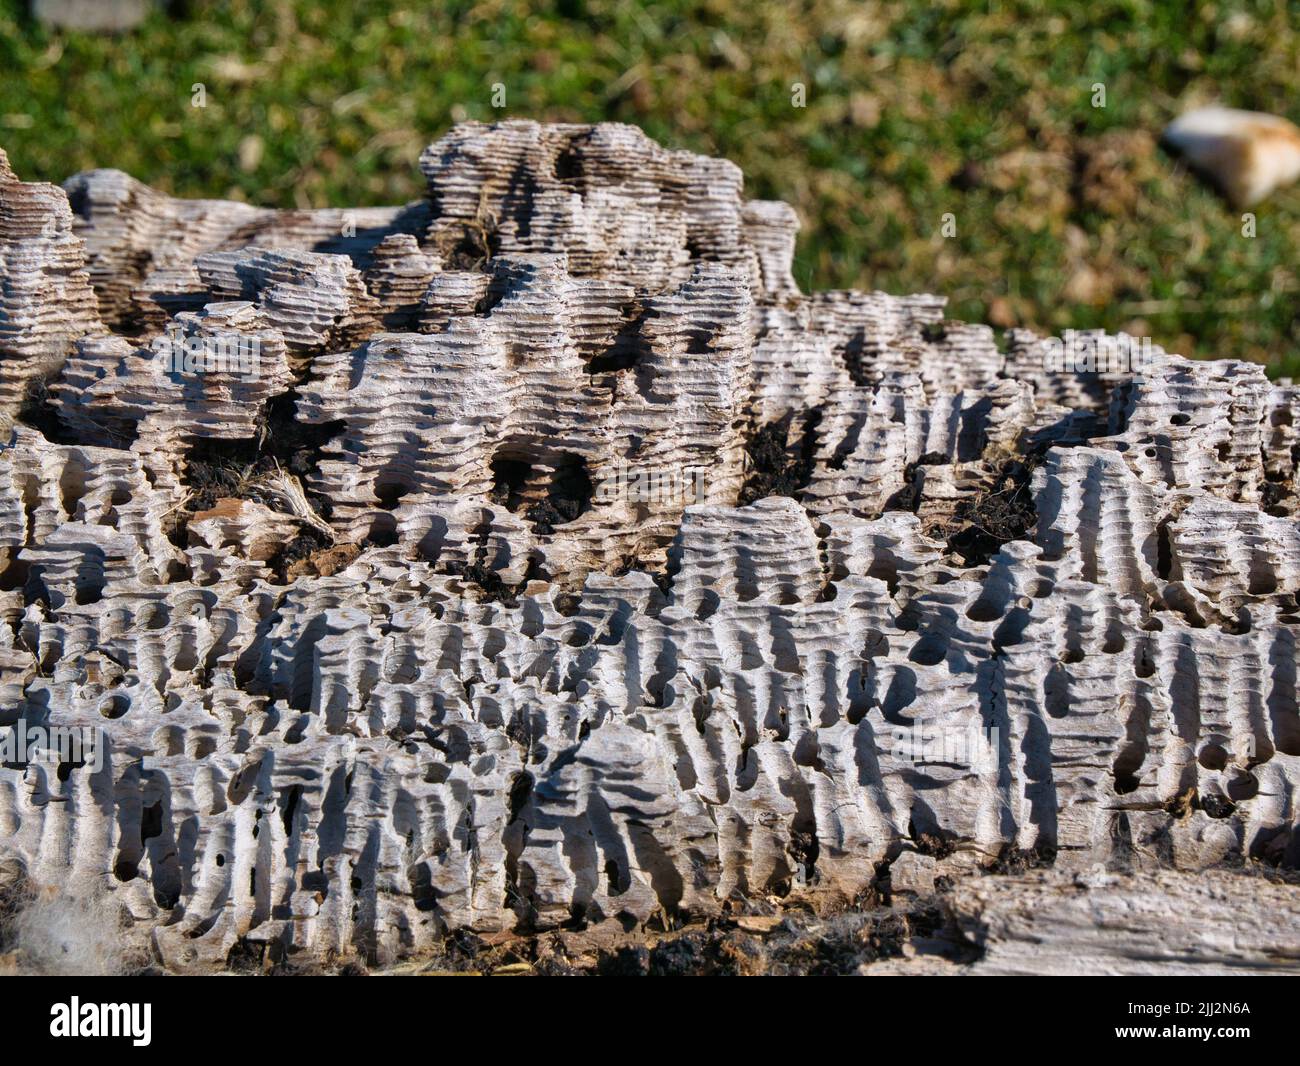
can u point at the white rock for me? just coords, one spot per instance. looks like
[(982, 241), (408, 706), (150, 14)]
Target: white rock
[(1247, 154)]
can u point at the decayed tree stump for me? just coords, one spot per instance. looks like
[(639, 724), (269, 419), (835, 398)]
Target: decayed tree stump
[(537, 555)]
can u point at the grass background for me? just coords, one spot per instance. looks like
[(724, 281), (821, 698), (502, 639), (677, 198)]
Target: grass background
[(1067, 214)]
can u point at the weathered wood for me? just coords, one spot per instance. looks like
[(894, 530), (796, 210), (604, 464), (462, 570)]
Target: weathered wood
[(440, 602)]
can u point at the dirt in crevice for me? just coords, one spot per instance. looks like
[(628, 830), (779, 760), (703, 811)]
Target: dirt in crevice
[(509, 479), (786, 942), (1273, 496), (938, 843), (777, 465), (516, 481), (1003, 512), (311, 553), (568, 496), (1013, 861), (908, 498), (468, 245), (491, 586), (229, 468), (234, 469)]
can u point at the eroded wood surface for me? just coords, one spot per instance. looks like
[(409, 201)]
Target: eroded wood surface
[(545, 558)]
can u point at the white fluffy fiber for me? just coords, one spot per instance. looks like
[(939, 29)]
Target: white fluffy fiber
[(56, 934)]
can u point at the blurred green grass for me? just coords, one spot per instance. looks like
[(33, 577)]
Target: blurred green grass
[(1067, 214)]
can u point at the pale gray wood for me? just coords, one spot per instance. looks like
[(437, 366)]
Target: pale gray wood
[(678, 701)]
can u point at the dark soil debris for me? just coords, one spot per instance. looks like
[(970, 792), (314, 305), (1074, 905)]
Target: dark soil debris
[(777, 465), (997, 516), (908, 498), (1013, 861), (232, 469)]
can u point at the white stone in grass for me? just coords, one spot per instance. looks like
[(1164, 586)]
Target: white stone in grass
[(92, 16), (1247, 154)]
